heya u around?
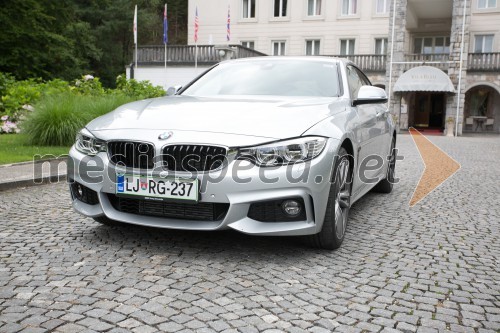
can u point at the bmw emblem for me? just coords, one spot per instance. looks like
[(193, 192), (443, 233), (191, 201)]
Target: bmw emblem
[(165, 135)]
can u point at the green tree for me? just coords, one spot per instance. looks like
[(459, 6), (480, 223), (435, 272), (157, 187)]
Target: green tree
[(68, 38), (36, 40)]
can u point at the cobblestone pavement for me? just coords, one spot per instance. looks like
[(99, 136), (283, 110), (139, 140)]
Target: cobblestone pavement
[(434, 267)]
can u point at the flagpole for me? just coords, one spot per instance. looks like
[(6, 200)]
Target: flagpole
[(135, 34), (196, 27), (165, 37)]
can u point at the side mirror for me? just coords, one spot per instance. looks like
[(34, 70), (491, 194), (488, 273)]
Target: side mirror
[(173, 90), (370, 95)]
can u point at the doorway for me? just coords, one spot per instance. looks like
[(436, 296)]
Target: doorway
[(429, 110)]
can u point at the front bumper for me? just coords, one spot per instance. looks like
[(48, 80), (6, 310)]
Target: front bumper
[(98, 174)]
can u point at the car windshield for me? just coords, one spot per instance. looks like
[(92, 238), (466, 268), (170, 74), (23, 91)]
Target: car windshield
[(277, 77)]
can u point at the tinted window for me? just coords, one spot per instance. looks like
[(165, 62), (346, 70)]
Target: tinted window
[(269, 77)]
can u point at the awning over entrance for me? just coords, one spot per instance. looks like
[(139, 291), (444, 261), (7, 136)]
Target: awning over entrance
[(424, 78)]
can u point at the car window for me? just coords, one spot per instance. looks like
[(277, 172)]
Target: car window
[(269, 77), (363, 78), (354, 80)]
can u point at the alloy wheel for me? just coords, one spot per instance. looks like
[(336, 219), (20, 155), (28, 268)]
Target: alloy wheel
[(343, 197)]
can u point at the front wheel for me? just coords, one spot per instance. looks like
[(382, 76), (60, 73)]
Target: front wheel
[(386, 184), (334, 227)]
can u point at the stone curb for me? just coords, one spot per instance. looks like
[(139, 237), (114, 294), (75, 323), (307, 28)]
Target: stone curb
[(32, 182), (48, 179), (31, 162)]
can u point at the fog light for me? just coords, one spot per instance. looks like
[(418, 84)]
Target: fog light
[(291, 207), (78, 191)]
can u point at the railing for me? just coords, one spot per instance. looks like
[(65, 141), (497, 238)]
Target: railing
[(439, 60), (207, 54), (483, 62), (367, 62)]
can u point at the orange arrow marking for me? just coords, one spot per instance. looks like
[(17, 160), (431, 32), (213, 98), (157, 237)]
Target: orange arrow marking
[(438, 166)]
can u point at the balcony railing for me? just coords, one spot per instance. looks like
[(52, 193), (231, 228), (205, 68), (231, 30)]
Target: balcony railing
[(185, 54), (483, 62), (208, 55), (439, 60), (367, 62), (479, 62)]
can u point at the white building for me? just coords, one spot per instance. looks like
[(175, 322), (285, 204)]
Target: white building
[(427, 32)]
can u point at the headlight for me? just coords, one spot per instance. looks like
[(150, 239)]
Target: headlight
[(284, 152), (88, 144)]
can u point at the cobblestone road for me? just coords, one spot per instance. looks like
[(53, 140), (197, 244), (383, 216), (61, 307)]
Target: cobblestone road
[(434, 267)]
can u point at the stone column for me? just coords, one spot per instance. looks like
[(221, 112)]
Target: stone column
[(398, 55), (454, 66)]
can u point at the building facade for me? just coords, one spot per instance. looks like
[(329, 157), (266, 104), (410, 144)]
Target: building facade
[(430, 39)]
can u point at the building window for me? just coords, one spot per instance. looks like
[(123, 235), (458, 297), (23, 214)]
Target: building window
[(347, 46), (314, 7), (431, 45), (279, 48), (248, 44), (349, 7), (280, 8), (485, 4), (248, 8), (380, 45), (383, 6), (312, 47), (483, 43)]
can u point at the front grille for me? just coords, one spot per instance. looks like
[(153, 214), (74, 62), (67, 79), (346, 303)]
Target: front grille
[(139, 155), (83, 193), (201, 211), (271, 211), (193, 158)]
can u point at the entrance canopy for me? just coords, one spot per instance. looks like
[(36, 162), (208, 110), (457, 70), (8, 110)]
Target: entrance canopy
[(424, 78)]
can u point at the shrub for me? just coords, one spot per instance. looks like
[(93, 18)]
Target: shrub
[(139, 89), (61, 108), (6, 80), (19, 96), (58, 118), (89, 85)]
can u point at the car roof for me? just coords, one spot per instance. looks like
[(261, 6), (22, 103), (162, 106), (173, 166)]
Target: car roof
[(283, 58)]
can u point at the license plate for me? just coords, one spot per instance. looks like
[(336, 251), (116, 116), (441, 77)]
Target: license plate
[(156, 188)]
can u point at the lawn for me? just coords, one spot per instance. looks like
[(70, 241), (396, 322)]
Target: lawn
[(14, 148)]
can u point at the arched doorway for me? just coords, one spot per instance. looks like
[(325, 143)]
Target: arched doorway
[(482, 109)]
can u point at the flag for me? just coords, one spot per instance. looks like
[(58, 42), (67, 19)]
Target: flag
[(228, 23), (196, 26), (135, 25), (165, 26)]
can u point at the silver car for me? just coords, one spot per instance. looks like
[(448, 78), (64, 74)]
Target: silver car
[(278, 146)]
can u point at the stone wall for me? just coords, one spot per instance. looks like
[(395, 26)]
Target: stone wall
[(454, 66), (398, 56)]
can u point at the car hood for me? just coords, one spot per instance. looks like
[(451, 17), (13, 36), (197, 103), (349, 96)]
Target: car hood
[(268, 117)]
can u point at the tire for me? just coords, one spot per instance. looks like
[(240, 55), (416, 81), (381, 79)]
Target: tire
[(104, 220), (385, 185), (334, 227)]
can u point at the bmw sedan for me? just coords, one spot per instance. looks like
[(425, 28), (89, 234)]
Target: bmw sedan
[(278, 146)]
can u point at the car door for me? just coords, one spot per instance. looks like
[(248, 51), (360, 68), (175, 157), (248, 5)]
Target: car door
[(368, 133), (380, 131)]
